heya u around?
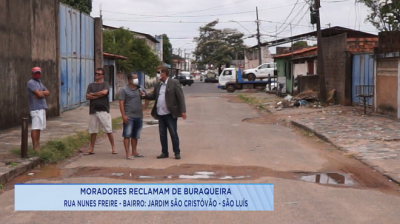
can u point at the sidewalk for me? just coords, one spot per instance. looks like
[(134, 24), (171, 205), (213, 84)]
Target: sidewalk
[(68, 123), (372, 139)]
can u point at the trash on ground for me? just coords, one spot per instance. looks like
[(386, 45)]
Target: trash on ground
[(118, 174), (288, 97), (307, 95)]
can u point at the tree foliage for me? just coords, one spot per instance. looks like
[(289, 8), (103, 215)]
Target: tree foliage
[(167, 49), (384, 17), (301, 44), (140, 56), (217, 46), (84, 6)]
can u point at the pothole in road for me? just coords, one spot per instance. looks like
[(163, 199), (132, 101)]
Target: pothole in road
[(329, 179), (184, 171)]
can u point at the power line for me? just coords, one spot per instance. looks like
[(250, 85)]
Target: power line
[(297, 1), (172, 16)]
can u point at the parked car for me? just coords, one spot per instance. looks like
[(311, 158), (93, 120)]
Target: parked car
[(184, 80), (261, 72), (211, 77)]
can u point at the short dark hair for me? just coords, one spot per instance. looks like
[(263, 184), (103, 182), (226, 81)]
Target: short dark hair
[(163, 69), (100, 69), (130, 75)]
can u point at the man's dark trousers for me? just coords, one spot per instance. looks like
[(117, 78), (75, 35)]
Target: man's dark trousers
[(168, 122)]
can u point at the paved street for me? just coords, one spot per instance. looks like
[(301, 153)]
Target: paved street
[(214, 138)]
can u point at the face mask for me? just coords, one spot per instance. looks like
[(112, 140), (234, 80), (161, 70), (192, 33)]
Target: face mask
[(158, 75), (36, 76), (135, 81)]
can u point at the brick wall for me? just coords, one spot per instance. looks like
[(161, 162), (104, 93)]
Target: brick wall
[(284, 50), (389, 42), (337, 64), (356, 45)]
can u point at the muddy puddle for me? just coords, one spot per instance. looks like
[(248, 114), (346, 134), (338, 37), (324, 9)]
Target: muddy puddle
[(181, 172), (329, 179)]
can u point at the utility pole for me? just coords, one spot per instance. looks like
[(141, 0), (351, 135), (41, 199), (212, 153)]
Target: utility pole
[(320, 66), (258, 38)]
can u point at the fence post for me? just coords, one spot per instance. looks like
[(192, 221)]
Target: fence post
[(24, 138)]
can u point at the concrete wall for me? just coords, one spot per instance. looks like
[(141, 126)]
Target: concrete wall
[(29, 37), (337, 65), (387, 86), (306, 82), (98, 43), (251, 59)]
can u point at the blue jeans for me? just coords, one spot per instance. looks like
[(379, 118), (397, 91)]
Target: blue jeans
[(133, 128), (168, 122)]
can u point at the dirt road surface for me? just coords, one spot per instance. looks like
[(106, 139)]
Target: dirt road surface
[(215, 138)]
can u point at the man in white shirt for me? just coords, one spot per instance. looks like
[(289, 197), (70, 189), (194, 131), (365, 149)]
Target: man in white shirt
[(169, 105)]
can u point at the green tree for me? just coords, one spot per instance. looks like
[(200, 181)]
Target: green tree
[(167, 49), (140, 56), (84, 6), (301, 43), (385, 17), (217, 46)]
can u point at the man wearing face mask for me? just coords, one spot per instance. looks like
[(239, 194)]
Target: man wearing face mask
[(37, 105), (169, 105), (130, 104)]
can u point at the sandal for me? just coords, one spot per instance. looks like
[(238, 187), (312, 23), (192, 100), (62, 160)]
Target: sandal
[(130, 158), (88, 153), (114, 153), (139, 156)]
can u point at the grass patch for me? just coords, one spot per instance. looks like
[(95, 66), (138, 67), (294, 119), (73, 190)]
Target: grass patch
[(254, 101), (57, 150), (307, 133), (1, 187)]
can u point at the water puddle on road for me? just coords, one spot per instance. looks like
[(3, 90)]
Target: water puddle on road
[(180, 172), (329, 179)]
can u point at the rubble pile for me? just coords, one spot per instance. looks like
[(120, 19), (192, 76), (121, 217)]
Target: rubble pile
[(306, 99)]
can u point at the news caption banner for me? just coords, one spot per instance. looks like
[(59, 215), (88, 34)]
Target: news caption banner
[(144, 197)]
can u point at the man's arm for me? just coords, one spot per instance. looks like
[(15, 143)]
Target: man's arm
[(38, 94), (145, 105), (100, 93), (46, 92)]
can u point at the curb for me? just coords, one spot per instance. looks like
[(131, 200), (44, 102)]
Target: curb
[(18, 170), (365, 162)]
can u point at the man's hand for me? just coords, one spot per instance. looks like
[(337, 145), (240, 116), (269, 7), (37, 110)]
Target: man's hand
[(142, 94), (125, 119), (184, 116)]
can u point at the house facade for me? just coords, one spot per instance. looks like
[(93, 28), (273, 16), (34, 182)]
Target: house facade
[(387, 74), (251, 57)]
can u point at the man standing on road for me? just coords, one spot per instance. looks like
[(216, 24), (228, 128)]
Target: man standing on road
[(37, 105), (99, 110), (130, 104), (169, 105)]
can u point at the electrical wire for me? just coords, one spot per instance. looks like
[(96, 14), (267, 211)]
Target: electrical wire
[(171, 16)]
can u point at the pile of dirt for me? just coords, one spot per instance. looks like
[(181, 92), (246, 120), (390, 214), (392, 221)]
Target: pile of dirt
[(307, 95)]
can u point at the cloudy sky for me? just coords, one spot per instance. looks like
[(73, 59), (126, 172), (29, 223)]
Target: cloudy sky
[(180, 19)]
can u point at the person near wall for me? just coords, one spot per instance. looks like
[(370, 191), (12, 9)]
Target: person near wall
[(130, 104), (37, 105), (99, 110), (169, 105)]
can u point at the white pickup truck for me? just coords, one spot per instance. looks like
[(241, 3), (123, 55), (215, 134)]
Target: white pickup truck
[(261, 72)]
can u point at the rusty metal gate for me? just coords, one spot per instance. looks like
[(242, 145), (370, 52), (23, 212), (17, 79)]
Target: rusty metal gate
[(77, 56)]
